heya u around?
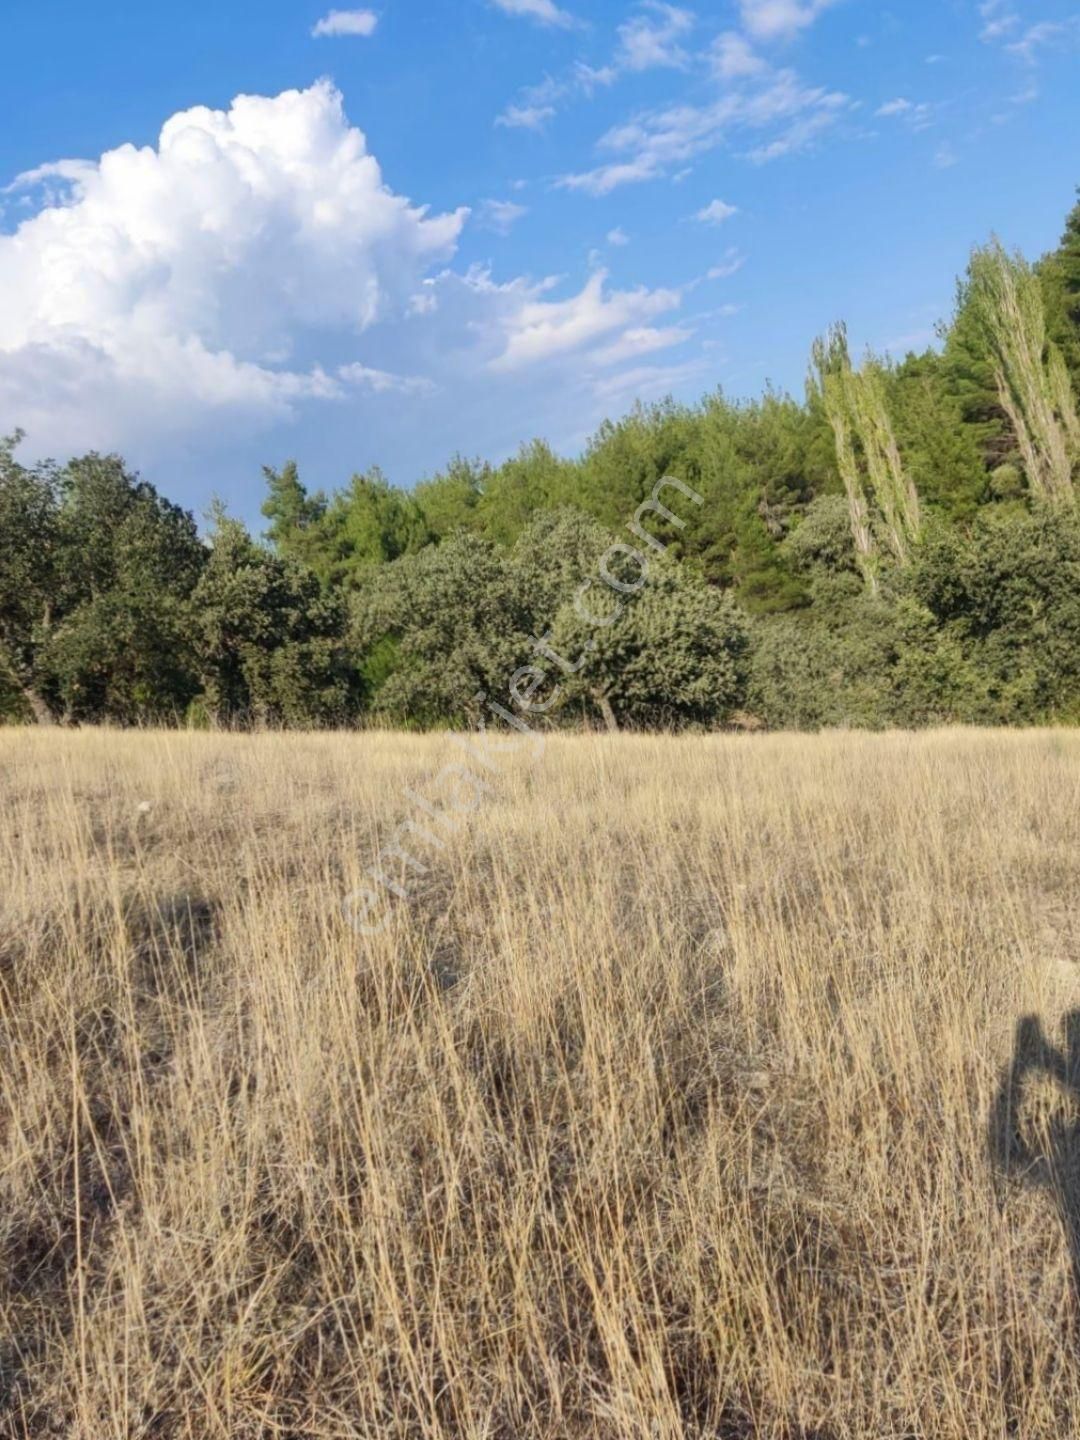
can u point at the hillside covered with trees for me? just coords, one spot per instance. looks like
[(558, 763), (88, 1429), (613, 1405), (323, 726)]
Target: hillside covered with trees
[(901, 547)]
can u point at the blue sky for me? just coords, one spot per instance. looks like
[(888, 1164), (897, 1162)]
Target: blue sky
[(433, 228)]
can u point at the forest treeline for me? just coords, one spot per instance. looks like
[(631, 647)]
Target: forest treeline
[(901, 547)]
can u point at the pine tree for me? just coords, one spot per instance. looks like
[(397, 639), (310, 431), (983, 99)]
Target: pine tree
[(295, 516), (941, 452), (366, 525), (1059, 273)]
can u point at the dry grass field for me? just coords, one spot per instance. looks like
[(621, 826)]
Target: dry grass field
[(664, 1107)]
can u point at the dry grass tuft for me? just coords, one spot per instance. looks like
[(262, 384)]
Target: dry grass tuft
[(661, 1111)]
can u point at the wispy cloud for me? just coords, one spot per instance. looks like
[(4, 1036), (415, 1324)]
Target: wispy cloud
[(618, 236), (653, 40), (780, 19), (648, 382), (588, 79), (915, 116), (800, 135), (716, 212), (346, 22), (594, 322), (526, 117), (383, 382), (640, 340), (730, 265), (1002, 25), (647, 41), (662, 141), (536, 104), (544, 12), (999, 20), (1035, 37), (501, 215), (733, 57)]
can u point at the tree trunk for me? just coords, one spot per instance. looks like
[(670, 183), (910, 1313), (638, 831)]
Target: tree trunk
[(41, 712), (608, 713)]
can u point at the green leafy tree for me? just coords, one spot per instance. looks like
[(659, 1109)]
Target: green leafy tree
[(883, 502), (674, 653), (121, 650), (441, 626), (1004, 302), (1009, 591), (969, 377), (821, 549), (554, 555), (270, 643), (858, 657), (97, 570), (878, 661), (29, 579), (891, 484), (833, 385)]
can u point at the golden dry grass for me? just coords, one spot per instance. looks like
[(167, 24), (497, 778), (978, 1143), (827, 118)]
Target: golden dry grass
[(660, 1111)]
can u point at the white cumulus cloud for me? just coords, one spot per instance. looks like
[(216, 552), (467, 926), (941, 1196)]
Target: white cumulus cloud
[(347, 22), (178, 280), (254, 265)]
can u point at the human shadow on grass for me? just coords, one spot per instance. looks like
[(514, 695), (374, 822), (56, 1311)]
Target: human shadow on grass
[(1047, 1156)]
